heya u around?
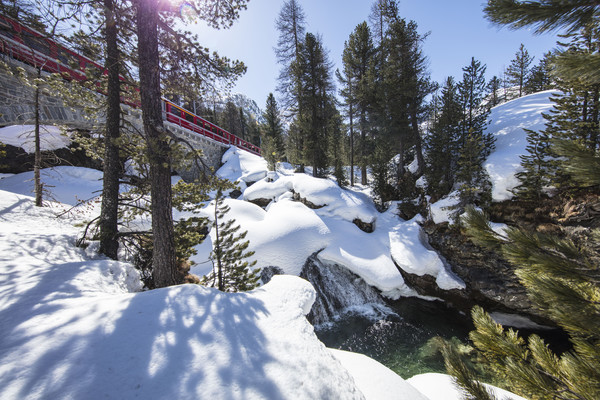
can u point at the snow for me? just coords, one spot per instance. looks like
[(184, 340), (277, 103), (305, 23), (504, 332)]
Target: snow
[(508, 124), (516, 321), (410, 253), (441, 387), (287, 232), (76, 325), (441, 211), (51, 137), (374, 379), (63, 184), (242, 166)]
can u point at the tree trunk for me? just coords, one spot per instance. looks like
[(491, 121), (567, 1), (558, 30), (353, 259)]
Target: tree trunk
[(351, 147), (363, 147), (37, 163), (109, 245), (164, 262), (418, 143)]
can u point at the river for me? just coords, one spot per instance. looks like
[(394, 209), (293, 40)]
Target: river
[(401, 341)]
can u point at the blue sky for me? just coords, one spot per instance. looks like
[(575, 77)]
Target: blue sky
[(458, 31)]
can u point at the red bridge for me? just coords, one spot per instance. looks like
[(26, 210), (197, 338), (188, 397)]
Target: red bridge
[(29, 46)]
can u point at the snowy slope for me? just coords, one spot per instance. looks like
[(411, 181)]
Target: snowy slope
[(508, 124), (75, 326), (72, 329)]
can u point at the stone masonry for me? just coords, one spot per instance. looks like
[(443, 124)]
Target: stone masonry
[(16, 107)]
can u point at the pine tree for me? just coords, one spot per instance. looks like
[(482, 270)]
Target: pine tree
[(559, 273), (109, 244), (159, 153), (358, 91), (548, 15), (405, 86), (291, 25), (272, 133), (518, 71), (575, 116), (336, 148), (384, 173), (316, 103), (493, 88), (475, 144), (540, 78), (230, 272), (535, 174), (442, 142), (562, 280)]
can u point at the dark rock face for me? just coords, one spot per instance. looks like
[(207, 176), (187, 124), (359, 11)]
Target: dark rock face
[(337, 289), (262, 203), (307, 203), (267, 273), (490, 280), (236, 193), (367, 227), (17, 160)]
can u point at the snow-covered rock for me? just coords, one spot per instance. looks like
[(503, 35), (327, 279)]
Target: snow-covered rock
[(63, 184)]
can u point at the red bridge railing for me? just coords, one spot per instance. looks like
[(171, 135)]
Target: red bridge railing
[(29, 46)]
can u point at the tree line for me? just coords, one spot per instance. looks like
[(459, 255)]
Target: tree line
[(387, 120)]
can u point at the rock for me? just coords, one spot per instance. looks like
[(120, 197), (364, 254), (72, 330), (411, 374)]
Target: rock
[(262, 203), (235, 193), (367, 227), (18, 160), (337, 289), (267, 273), (297, 197), (491, 281)]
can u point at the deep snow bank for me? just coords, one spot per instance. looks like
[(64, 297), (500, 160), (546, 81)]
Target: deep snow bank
[(287, 232), (72, 329)]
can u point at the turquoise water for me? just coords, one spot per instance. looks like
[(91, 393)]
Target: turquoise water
[(402, 341)]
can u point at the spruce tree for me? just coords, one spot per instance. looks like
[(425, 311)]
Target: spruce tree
[(475, 144), (317, 101), (540, 77), (358, 92), (441, 144), (272, 133), (231, 273), (518, 71)]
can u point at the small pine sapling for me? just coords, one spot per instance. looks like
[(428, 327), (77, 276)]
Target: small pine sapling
[(231, 272)]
